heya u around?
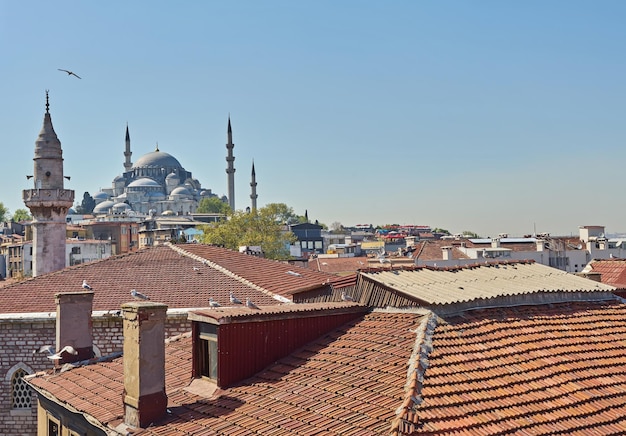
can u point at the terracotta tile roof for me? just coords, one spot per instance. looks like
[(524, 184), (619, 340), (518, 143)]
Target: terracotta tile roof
[(613, 271), (338, 265), (179, 279), (530, 370), (349, 382), (442, 286), (270, 275), (432, 250)]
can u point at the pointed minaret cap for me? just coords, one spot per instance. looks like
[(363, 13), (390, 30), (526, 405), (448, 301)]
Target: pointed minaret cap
[(47, 144)]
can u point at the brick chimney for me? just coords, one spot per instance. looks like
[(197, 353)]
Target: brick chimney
[(145, 400), (74, 325)]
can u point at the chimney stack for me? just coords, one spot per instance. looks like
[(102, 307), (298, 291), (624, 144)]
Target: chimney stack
[(145, 400), (446, 253), (74, 325)]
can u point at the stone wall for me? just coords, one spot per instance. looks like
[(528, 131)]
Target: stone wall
[(20, 339)]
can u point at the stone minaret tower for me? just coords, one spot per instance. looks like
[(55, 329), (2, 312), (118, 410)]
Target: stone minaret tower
[(127, 154), (48, 201), (253, 195), (230, 159)]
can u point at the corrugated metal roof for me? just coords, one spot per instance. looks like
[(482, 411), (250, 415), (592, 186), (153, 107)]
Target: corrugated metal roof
[(457, 285)]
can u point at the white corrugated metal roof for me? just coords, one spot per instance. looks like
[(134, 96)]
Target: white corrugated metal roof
[(448, 286)]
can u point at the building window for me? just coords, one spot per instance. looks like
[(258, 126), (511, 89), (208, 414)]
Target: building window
[(53, 427), (207, 351), (75, 250), (20, 392)]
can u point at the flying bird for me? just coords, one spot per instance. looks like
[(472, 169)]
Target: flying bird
[(69, 73), (213, 303), (233, 299), (29, 177), (86, 286), (346, 297), (250, 304), (293, 273), (57, 356), (138, 295)]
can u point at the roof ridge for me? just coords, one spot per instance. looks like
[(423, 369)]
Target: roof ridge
[(406, 417), (226, 271)]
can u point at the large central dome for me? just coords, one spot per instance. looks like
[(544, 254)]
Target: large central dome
[(157, 159)]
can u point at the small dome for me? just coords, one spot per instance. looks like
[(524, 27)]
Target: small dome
[(157, 159), (71, 211), (118, 179), (155, 194), (103, 207), (144, 182), (101, 196), (171, 176), (167, 213), (181, 190)]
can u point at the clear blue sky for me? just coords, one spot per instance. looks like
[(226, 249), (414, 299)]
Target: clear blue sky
[(489, 116)]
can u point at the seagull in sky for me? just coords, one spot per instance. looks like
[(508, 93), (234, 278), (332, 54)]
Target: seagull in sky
[(233, 299), (86, 286), (293, 273), (57, 356), (250, 304), (138, 295), (69, 73), (213, 303), (346, 297)]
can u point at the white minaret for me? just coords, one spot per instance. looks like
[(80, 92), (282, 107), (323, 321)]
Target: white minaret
[(253, 195), (49, 201), (230, 159), (127, 154)]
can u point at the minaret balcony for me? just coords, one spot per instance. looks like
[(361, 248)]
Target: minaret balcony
[(54, 196)]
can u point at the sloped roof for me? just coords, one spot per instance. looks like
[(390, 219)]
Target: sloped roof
[(432, 250), (168, 274), (268, 274), (441, 286), (530, 370), (349, 382), (612, 271)]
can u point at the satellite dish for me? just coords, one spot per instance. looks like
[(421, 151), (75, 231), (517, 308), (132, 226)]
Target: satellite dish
[(579, 246)]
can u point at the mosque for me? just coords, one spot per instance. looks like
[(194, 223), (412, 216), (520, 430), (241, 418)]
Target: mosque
[(157, 184)]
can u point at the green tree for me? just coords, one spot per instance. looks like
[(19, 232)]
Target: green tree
[(438, 230), (213, 205), (469, 234), (282, 214), (4, 213), (88, 204), (21, 215), (259, 228)]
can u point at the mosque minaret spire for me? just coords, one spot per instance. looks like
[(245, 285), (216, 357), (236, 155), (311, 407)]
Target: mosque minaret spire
[(127, 154), (48, 201), (253, 194), (230, 170)]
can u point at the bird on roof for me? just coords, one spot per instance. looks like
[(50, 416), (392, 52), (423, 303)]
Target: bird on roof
[(250, 304), (86, 286), (346, 297), (69, 73), (138, 295), (57, 356), (213, 303), (233, 299), (293, 273), (195, 268)]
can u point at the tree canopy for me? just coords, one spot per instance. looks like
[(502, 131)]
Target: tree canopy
[(213, 205), (21, 215), (87, 205), (4, 212), (262, 228)]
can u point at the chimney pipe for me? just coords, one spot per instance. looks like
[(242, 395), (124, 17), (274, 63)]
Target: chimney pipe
[(145, 400), (74, 325)]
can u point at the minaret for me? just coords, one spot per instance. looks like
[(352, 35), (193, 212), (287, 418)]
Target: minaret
[(253, 195), (127, 154), (230, 159), (48, 201)]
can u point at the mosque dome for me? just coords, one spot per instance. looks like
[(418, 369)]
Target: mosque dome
[(120, 207), (101, 196), (103, 207), (71, 211), (181, 190), (144, 182), (155, 195), (171, 176), (168, 213), (157, 159)]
